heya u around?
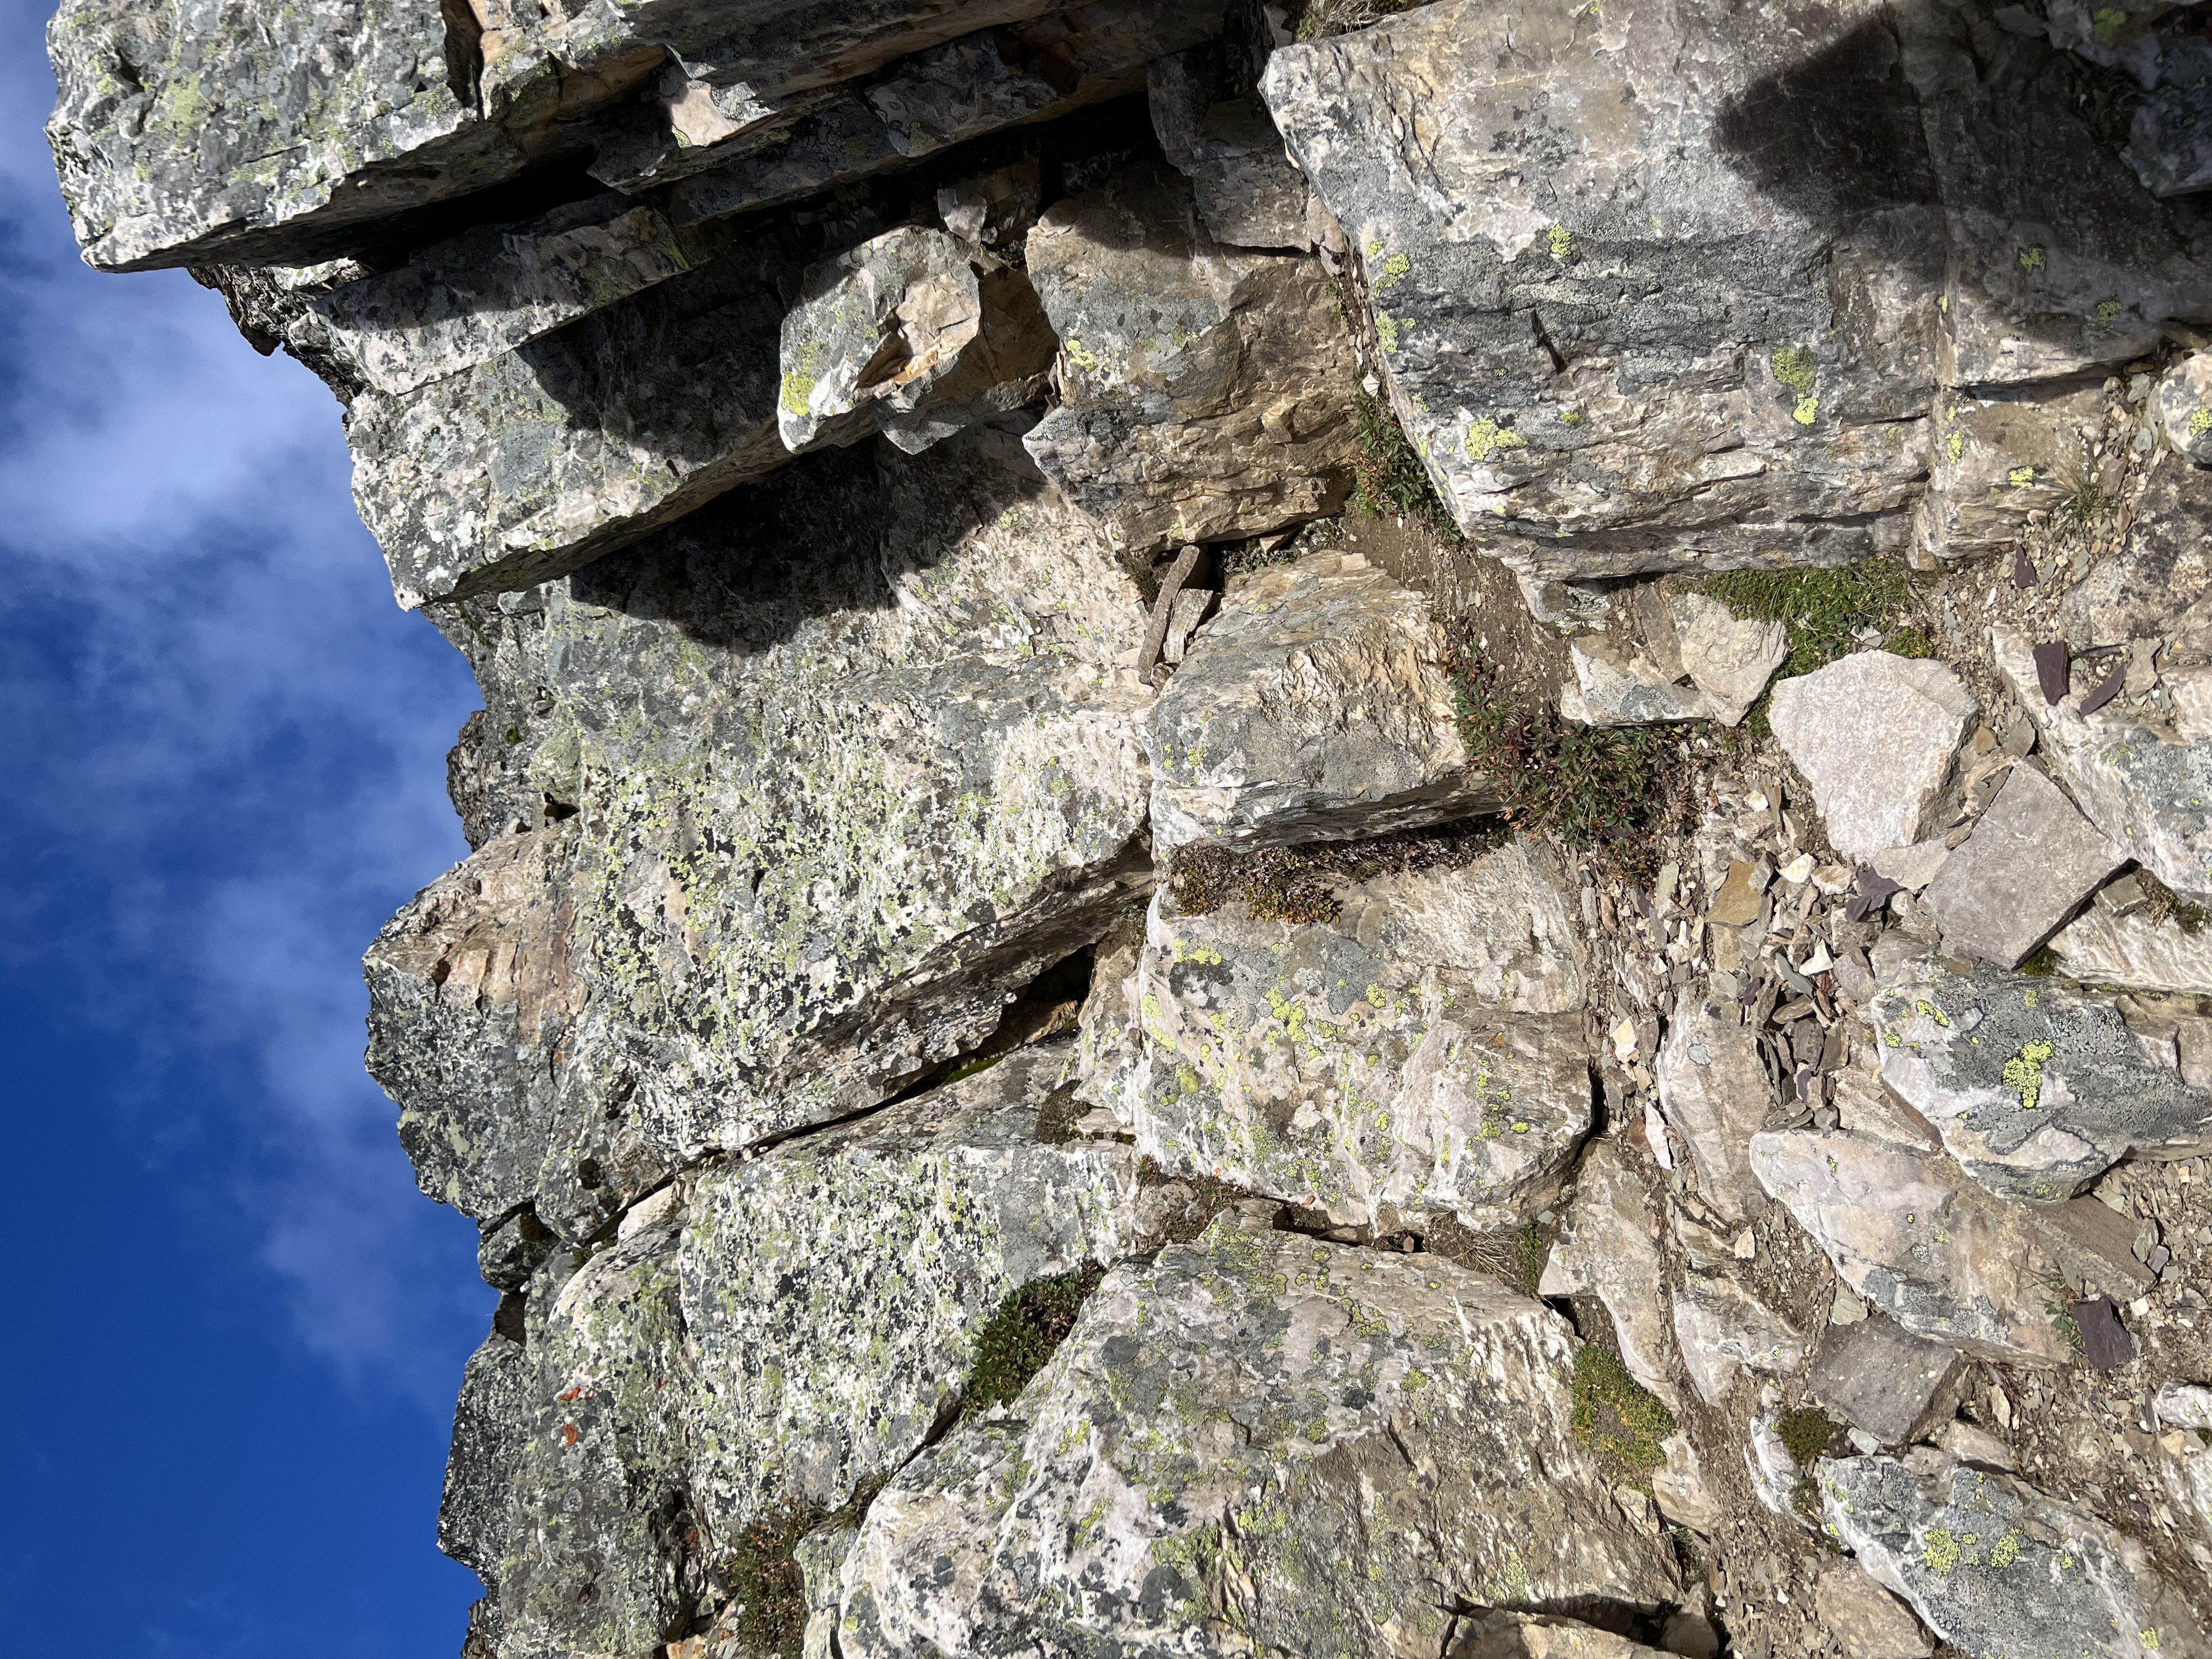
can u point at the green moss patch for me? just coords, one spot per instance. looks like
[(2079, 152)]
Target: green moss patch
[(1621, 1420), (1807, 1434), (1028, 1326), (765, 1577), (1297, 884), (1584, 784), (1387, 477)]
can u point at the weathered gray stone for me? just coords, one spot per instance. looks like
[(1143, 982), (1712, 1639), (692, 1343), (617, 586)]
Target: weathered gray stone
[(2158, 583), (1314, 1446), (2037, 1088), (1422, 1051), (1729, 659), (490, 1421), (1993, 1566), (1051, 64), (1911, 867), (875, 652), (993, 211), (1715, 1094), (1613, 686), (911, 333), (1206, 392), (1723, 1330), (2185, 1406), (1641, 305), (469, 299), (1248, 194), (1605, 1249), (768, 1334), (1877, 736), (531, 464), (2059, 261), (2031, 861), (2001, 453), (2170, 138), (185, 134), (1867, 1620), (1540, 1635), (1906, 1230), (2183, 405), (471, 994), (1315, 706), (1884, 1380)]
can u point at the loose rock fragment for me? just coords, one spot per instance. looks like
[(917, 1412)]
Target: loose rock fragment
[(1884, 1380), (1715, 1093), (1878, 735), (2030, 863)]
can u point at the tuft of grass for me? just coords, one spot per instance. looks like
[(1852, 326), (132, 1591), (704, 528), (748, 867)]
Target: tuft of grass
[(1297, 884), (1387, 477), (1583, 783), (765, 1576), (2085, 499), (1320, 19), (2163, 904), (1027, 1329), (1822, 612), (1806, 1434), (1621, 1420)]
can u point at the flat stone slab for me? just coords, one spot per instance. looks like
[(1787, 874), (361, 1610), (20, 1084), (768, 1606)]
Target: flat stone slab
[(1421, 1052), (1605, 1249), (1316, 705), (2146, 783), (1883, 1379), (1992, 1565), (1878, 735), (1207, 391), (1606, 175), (1313, 1444), (2029, 864), (2036, 1089), (2135, 952), (1722, 1331)]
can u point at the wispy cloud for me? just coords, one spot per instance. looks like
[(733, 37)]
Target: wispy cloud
[(230, 754)]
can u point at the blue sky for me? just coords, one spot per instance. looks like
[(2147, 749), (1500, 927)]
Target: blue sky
[(234, 1327)]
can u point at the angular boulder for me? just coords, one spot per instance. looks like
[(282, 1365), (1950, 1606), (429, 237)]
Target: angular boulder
[(1715, 1093), (877, 652), (1605, 1249), (763, 1338), (2030, 863), (1422, 1051), (2157, 584), (1883, 1380), (911, 334), (1316, 705), (2183, 406), (472, 992), (2037, 1088), (1722, 1331), (531, 464), (2001, 453), (1992, 1565), (2135, 952), (1595, 244), (1206, 392), (1878, 735), (1248, 194), (2145, 781), (1323, 1449)]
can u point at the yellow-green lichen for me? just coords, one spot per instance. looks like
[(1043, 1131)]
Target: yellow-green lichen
[(1484, 437), (1081, 356), (2200, 423), (1394, 271), (1794, 367), (2020, 476), (1389, 330), (1560, 242), (2108, 314), (2031, 259), (1939, 1550), (2024, 1072)]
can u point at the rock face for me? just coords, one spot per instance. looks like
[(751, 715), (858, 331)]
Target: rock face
[(1420, 1051), (1204, 394), (1992, 1566), (1316, 705), (1569, 322), (2037, 1089), (742, 712), (1877, 736), (1311, 1445), (1024, 990), (768, 1334)]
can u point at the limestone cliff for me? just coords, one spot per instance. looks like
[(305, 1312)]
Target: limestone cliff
[(1340, 828)]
